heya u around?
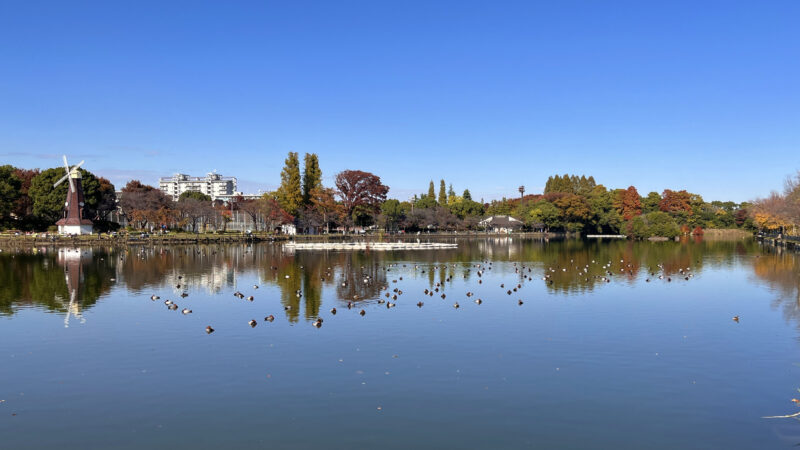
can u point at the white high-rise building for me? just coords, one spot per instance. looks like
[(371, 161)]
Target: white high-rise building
[(213, 184)]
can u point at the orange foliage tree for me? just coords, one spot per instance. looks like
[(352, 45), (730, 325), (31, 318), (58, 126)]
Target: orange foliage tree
[(628, 203), (676, 202)]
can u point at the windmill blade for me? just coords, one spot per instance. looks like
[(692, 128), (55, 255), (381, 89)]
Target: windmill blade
[(77, 165), (66, 168), (61, 180)]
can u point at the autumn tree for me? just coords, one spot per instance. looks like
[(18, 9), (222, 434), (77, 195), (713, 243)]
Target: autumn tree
[(23, 208), (143, 204), (358, 189), (273, 213), (431, 192), (253, 208), (791, 194), (675, 202), (575, 211), (289, 194), (312, 176), (194, 207), (322, 199), (628, 203)]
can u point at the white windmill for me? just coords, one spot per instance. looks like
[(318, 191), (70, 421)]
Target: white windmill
[(73, 220)]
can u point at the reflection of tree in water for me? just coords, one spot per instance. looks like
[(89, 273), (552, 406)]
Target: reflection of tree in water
[(39, 278), (781, 271), (356, 267), (29, 278)]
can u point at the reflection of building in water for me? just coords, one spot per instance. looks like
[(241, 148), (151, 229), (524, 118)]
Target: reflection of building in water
[(70, 260), (499, 247), (212, 280)]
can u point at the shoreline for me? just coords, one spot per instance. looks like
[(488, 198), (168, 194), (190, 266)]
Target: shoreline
[(7, 241)]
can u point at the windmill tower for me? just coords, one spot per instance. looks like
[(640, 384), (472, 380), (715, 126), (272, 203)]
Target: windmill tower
[(73, 220)]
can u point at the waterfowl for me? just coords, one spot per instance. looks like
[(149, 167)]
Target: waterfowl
[(479, 301), (250, 298), (287, 307), (736, 319), (253, 323), (419, 304), (184, 295), (167, 302), (333, 311), (186, 311), (209, 330), (172, 307), (154, 297), (317, 324), (519, 302), (456, 305), (362, 312), (269, 318)]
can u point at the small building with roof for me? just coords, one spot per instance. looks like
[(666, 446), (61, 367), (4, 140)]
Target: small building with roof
[(501, 224)]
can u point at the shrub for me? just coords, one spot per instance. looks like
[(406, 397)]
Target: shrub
[(661, 224)]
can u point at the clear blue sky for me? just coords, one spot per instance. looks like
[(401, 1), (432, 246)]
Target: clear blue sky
[(491, 95)]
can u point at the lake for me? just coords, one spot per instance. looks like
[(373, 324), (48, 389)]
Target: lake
[(575, 344)]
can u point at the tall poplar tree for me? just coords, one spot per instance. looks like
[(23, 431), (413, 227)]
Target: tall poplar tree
[(312, 176), (289, 194), (431, 191), (442, 194)]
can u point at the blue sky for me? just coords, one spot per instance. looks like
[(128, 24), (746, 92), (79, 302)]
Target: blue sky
[(703, 96)]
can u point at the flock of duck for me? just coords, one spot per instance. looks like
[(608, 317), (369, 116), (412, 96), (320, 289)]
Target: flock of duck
[(390, 297)]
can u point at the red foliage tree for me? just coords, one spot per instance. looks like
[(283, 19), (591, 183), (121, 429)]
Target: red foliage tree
[(24, 205), (676, 201), (360, 189), (143, 204), (628, 203)]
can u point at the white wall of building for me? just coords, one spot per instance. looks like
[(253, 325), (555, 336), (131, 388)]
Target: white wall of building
[(214, 185)]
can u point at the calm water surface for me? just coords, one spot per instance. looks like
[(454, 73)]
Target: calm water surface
[(588, 360)]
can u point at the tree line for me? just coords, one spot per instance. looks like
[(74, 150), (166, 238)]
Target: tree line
[(28, 200), (569, 203), (780, 211)]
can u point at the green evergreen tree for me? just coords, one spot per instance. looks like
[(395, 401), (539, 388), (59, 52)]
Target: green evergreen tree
[(312, 176), (450, 192), (442, 194), (431, 192), (48, 201), (466, 195), (289, 194), (548, 186), (10, 186)]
